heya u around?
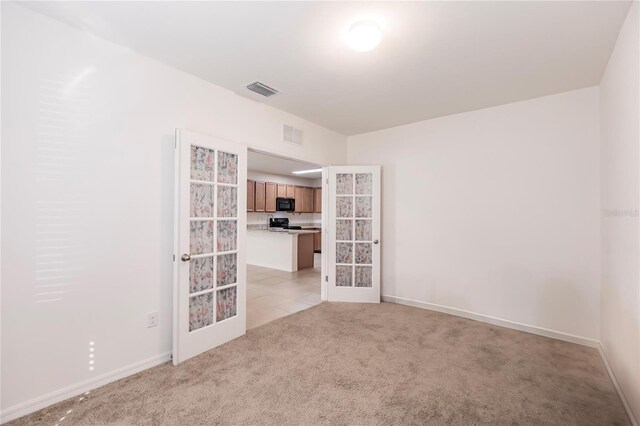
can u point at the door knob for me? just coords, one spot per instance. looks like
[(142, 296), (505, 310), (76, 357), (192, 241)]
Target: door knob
[(185, 258), (375, 241)]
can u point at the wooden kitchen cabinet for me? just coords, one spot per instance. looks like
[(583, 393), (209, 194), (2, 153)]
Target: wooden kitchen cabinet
[(291, 191), (317, 200), (282, 190), (307, 204), (260, 197), (299, 198), (251, 195), (305, 251), (270, 196), (317, 242)]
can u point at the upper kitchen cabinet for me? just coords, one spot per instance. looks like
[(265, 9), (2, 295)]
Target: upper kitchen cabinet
[(251, 195), (299, 197), (307, 204), (260, 197), (282, 190), (317, 200), (270, 196), (291, 191)]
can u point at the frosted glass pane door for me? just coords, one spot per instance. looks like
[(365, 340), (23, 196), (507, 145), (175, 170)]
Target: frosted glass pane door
[(353, 267), (210, 294)]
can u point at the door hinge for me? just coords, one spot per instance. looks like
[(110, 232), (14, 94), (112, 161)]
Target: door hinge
[(174, 257), (326, 278)]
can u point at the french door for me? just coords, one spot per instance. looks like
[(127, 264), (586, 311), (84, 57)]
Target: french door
[(209, 257), (353, 264)]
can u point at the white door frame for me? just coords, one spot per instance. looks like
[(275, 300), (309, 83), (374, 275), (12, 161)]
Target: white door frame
[(323, 217), (324, 271)]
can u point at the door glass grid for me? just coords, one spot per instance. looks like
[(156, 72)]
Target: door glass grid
[(213, 237), (200, 311), (227, 269), (227, 239), (227, 168), (227, 303), (202, 200), (353, 227), (200, 274), (364, 183), (201, 237), (202, 163)]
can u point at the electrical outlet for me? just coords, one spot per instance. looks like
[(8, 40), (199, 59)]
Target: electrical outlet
[(152, 319)]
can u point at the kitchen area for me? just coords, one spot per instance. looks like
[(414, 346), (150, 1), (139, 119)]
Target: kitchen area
[(284, 237), (294, 231)]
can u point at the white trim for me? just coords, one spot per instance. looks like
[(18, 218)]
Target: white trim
[(176, 241), (324, 235), (51, 398), (586, 341), (627, 407)]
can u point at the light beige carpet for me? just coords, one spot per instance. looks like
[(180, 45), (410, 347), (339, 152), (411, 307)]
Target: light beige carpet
[(363, 364)]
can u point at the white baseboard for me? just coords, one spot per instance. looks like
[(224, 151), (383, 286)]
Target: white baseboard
[(586, 341), (36, 404), (627, 407)]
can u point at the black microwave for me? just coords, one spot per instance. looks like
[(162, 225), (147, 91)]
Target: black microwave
[(285, 204)]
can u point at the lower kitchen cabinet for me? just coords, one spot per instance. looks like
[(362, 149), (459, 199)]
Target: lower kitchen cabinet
[(305, 250), (317, 241)]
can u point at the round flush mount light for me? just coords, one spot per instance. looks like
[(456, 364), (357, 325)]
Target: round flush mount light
[(364, 36)]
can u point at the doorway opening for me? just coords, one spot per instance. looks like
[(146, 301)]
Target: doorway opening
[(284, 236)]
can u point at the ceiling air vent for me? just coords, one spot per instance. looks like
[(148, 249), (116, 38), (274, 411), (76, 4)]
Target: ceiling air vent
[(291, 134), (261, 88)]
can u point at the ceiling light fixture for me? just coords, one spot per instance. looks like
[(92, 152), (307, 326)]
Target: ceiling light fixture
[(364, 36), (304, 172)]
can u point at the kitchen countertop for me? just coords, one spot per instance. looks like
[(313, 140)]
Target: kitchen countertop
[(288, 231)]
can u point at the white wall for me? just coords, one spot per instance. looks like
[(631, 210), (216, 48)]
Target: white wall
[(294, 218), (620, 131), (87, 194), (495, 211)]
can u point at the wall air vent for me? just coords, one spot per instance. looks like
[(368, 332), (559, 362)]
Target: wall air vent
[(262, 89), (292, 135)]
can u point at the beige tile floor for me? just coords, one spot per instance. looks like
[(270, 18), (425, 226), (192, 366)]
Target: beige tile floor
[(273, 294)]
